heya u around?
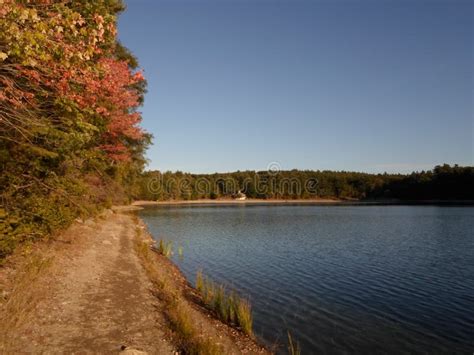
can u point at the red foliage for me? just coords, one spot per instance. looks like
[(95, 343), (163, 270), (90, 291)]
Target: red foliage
[(76, 71)]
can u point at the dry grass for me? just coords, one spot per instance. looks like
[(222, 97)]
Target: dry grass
[(199, 281), (22, 299), (244, 315), (293, 348), (164, 248), (229, 307), (177, 311), (192, 341)]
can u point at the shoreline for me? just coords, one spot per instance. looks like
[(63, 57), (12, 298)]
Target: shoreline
[(140, 204), (205, 326)]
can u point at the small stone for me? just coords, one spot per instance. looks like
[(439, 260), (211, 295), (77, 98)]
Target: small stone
[(130, 351)]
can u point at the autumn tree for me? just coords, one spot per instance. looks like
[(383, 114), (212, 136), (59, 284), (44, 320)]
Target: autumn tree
[(70, 136)]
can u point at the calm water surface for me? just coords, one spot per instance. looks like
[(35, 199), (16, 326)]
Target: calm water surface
[(342, 279)]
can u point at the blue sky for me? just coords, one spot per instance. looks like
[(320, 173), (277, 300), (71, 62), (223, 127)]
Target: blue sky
[(374, 85)]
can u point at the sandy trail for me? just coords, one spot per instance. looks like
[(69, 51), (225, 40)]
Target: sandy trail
[(97, 297)]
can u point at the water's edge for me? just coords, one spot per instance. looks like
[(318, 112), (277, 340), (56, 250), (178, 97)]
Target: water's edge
[(343, 277)]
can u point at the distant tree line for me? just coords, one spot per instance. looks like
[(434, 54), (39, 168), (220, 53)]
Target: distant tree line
[(442, 183)]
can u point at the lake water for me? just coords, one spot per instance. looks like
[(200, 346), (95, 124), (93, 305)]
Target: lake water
[(342, 279)]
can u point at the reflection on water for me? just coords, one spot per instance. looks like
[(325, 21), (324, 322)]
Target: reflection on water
[(342, 278)]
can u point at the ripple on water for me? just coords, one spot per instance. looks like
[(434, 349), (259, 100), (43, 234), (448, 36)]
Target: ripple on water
[(343, 279)]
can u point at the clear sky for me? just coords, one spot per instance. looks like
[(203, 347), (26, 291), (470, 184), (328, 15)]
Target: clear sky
[(364, 85)]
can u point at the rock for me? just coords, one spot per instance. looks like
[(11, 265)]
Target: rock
[(131, 351), (107, 212), (89, 222)]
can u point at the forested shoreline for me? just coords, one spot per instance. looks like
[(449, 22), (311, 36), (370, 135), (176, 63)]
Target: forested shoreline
[(442, 183), (70, 140)]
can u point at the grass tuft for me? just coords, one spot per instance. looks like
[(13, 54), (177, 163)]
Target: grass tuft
[(244, 315), (165, 248), (199, 281), (193, 342), (293, 348), (229, 307)]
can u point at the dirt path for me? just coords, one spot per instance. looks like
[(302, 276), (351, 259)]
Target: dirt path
[(97, 288), (96, 297)]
